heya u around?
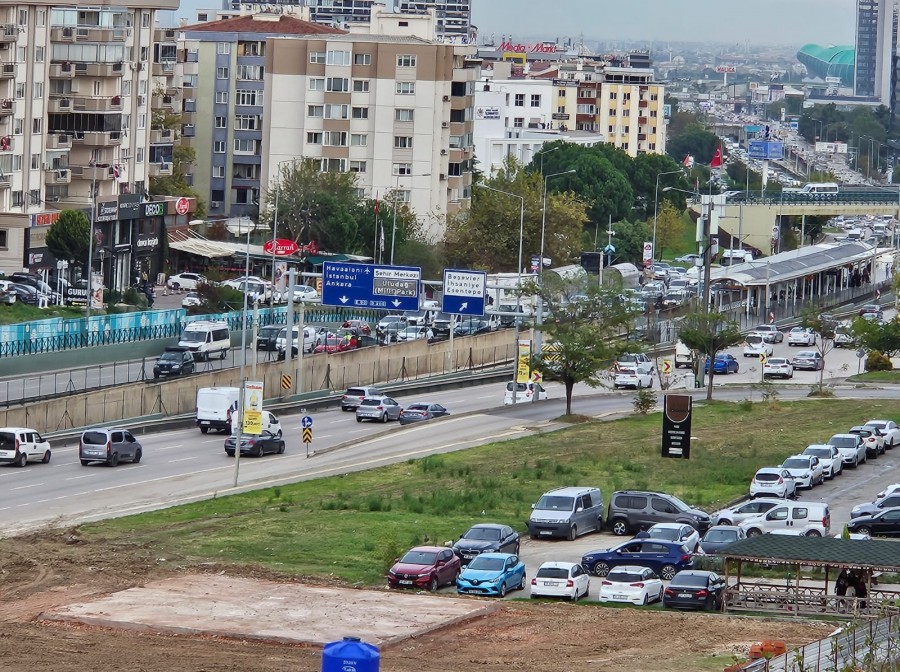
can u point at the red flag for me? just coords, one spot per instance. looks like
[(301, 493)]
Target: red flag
[(688, 161), (717, 158), (376, 207)]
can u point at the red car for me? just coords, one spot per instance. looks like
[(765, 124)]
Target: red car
[(334, 344), (425, 567)]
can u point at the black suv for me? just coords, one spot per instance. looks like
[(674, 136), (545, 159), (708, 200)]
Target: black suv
[(175, 361), (634, 510)]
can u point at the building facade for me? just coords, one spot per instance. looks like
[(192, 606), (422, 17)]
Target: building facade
[(453, 18), (396, 111), (875, 49)]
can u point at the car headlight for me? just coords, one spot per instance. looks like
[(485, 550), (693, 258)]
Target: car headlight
[(807, 474)]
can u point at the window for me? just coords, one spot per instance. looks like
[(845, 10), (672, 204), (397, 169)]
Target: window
[(359, 140), (561, 109), (37, 125), (41, 17), (219, 147), (247, 122), (406, 88), (337, 111), (316, 83), (535, 100), (403, 195), (402, 169), (18, 200), (612, 111), (18, 126), (454, 169), (20, 90), (221, 123), (360, 113), (223, 48), (248, 97), (333, 165), (519, 100), (245, 145), (38, 54), (357, 166), (317, 57), (562, 93), (142, 120), (145, 19), (253, 73), (314, 138), (519, 122), (360, 85), (337, 84), (315, 110), (23, 17), (800, 514), (586, 108), (402, 142), (217, 195), (38, 90), (36, 161), (362, 59), (221, 97), (4, 241), (359, 192), (406, 61), (221, 73), (334, 138), (402, 114), (139, 157), (337, 58)]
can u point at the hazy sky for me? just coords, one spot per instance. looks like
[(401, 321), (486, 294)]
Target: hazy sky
[(793, 22)]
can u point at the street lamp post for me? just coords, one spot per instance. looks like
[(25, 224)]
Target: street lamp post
[(519, 283), (275, 229), (90, 259), (394, 208), (240, 428), (656, 206)]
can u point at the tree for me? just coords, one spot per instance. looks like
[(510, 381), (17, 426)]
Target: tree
[(583, 336), (69, 237), (669, 228), (182, 156), (824, 326), (875, 337), (645, 171), (709, 334), (628, 241), (694, 140)]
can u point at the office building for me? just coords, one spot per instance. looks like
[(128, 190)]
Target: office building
[(875, 49)]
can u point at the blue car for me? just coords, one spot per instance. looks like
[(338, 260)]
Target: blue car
[(666, 558), (492, 574), (725, 363)]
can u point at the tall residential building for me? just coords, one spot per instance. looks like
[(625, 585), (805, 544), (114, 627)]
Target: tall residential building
[(876, 47), (229, 57), (395, 110), (76, 89), (453, 17)]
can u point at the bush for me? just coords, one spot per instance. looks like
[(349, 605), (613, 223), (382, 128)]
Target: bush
[(875, 361), (135, 298), (644, 401)]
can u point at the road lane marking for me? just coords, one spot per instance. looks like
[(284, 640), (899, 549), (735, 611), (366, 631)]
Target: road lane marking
[(183, 459), (25, 487), (75, 478), (178, 445)]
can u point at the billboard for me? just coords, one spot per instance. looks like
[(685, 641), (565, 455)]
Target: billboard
[(766, 150), (676, 429), (726, 68)]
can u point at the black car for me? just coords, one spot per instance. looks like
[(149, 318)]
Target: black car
[(471, 327), (883, 524), (265, 339), (257, 446), (486, 538), (25, 293), (695, 589), (174, 361), (34, 281)]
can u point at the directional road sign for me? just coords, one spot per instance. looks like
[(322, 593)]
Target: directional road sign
[(370, 286), (667, 366), (306, 422), (307, 437), (287, 382), (762, 358), (463, 292)]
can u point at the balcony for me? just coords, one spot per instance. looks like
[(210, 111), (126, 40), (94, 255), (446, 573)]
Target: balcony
[(59, 141), (99, 69), (163, 103), (98, 138), (97, 104), (643, 103), (60, 105), (162, 136), (7, 143), (62, 71), (164, 68), (7, 70), (9, 32), (5, 181), (6, 107), (88, 34), (58, 176), (101, 173), (189, 105), (188, 131), (160, 169)]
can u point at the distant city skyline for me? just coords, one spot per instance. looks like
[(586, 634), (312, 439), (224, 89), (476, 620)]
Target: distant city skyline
[(789, 22)]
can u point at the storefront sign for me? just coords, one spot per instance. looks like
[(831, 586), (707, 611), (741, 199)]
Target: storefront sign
[(107, 211), (280, 247), (565, 82), (560, 116), (129, 206), (536, 48), (183, 206), (487, 112), (147, 241), (45, 218), (153, 209)]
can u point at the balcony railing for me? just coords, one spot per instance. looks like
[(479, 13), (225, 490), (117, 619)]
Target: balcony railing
[(9, 32), (161, 136), (62, 70), (58, 175), (97, 104), (59, 141), (7, 106), (188, 131), (7, 70), (100, 172), (157, 169), (60, 105), (98, 138)]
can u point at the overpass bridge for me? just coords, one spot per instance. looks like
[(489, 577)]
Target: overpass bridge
[(751, 216)]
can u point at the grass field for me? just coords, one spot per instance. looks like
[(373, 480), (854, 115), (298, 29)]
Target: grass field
[(876, 377), (21, 312), (351, 527)]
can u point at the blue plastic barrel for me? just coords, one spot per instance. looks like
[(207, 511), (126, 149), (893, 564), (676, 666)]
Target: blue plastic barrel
[(350, 655)]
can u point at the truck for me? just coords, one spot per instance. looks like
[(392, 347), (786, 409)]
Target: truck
[(215, 406)]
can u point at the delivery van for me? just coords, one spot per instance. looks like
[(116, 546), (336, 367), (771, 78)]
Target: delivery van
[(215, 406), (684, 356), (206, 339)]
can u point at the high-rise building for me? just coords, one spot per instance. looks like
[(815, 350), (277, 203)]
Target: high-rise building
[(875, 49), (453, 17)]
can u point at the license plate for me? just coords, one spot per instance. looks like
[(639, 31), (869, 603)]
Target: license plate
[(204, 422), (684, 595), (546, 532), (620, 597), (404, 582), (549, 583)]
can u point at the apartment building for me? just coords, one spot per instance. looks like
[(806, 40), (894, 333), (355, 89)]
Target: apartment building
[(75, 110), (224, 63), (397, 111), (453, 18)]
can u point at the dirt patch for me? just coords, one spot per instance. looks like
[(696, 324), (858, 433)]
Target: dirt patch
[(46, 571)]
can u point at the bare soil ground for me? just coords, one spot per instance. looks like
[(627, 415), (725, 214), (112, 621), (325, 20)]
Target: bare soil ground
[(51, 569)]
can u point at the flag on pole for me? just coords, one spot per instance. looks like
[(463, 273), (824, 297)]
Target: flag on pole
[(688, 161), (376, 206), (382, 239), (717, 158)]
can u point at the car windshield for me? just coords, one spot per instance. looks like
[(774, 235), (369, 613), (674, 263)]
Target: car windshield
[(553, 573), (798, 330), (767, 476), (623, 577), (876, 425), (754, 340), (170, 357), (194, 337), (843, 441), (806, 353), (487, 564), (419, 558), (796, 463), (689, 581), (721, 535), (554, 503), (818, 452), (417, 407), (482, 534), (667, 533)]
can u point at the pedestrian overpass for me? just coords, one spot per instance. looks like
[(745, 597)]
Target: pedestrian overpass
[(751, 216)]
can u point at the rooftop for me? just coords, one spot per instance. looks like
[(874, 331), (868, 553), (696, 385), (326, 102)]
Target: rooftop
[(876, 554), (264, 23)]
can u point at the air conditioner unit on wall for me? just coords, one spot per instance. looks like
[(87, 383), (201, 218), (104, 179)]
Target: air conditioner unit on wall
[(445, 124), (443, 152), (446, 99)]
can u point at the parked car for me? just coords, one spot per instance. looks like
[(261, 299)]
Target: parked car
[(871, 438), (683, 534), (724, 364), (666, 558), (186, 281), (636, 378), (420, 318), (778, 367), (412, 333), (738, 514), (420, 412), (471, 327), (424, 567), (561, 579), (808, 360), (388, 332), (354, 396), (802, 336), (695, 589), (852, 448), (486, 538), (872, 309), (806, 470), (843, 336), (634, 584), (266, 443), (718, 537), (891, 501), (492, 574), (175, 361), (830, 458), (20, 445), (634, 360), (889, 429), (632, 510), (109, 445), (567, 512), (25, 293), (773, 482), (756, 345), (770, 332), (379, 408), (305, 293), (882, 524), (889, 490), (191, 300), (812, 519), (688, 259), (309, 340), (266, 337)]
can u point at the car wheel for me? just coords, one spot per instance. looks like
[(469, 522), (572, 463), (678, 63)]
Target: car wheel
[(46, 458), (646, 600), (433, 584), (813, 533), (573, 532), (867, 531), (22, 460), (358, 419), (204, 430), (85, 463), (138, 454), (522, 583), (600, 568), (619, 527), (259, 450), (753, 532), (516, 549), (724, 521), (384, 418), (281, 448), (668, 572), (114, 460)]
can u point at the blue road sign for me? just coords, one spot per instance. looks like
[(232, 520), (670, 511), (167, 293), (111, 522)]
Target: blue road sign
[(765, 150), (463, 292), (306, 423), (370, 286), (610, 249)]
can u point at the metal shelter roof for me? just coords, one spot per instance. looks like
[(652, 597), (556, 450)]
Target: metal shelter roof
[(193, 243), (876, 554), (793, 264)]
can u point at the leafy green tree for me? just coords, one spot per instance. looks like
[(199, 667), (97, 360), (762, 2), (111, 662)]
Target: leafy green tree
[(694, 140), (645, 170), (628, 241), (669, 229), (824, 327), (583, 336), (175, 184), (872, 336), (369, 231), (218, 298), (709, 334), (69, 237)]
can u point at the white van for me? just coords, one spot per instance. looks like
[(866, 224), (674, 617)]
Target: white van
[(684, 356), (215, 406), (206, 339), (855, 234), (524, 393), (811, 519), (732, 257)]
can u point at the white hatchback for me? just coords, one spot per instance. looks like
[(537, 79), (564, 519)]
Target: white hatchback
[(756, 345), (630, 583), (19, 445), (806, 469), (802, 336), (561, 579), (773, 482), (829, 456)]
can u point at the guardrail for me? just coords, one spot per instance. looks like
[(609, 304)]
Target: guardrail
[(874, 197)]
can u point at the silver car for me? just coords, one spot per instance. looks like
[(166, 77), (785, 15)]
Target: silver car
[(378, 408)]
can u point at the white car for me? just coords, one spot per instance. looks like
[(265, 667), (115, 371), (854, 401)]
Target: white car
[(524, 393), (305, 293), (889, 490), (756, 345), (19, 445), (802, 336), (629, 583), (806, 470), (738, 514), (851, 447), (186, 281), (683, 534), (770, 333), (773, 482), (778, 367), (412, 333), (561, 579), (638, 378), (889, 428), (191, 300), (309, 339), (829, 457)]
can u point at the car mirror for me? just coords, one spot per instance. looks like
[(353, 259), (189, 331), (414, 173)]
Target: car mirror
[(532, 506), (461, 536), (579, 509)]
